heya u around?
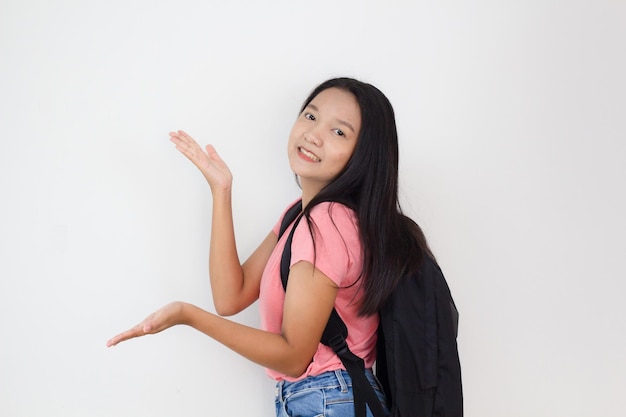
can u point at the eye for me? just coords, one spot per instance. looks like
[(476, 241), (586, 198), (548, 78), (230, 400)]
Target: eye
[(309, 116), (339, 132)]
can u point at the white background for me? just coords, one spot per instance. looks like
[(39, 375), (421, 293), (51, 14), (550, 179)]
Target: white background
[(512, 124)]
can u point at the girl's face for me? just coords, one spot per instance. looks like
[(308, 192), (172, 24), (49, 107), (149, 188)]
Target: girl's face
[(323, 138)]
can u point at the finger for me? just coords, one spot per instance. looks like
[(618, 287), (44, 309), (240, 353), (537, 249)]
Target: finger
[(182, 137), (190, 152), (116, 339), (178, 134), (178, 138), (120, 338), (185, 135), (128, 334), (185, 144)]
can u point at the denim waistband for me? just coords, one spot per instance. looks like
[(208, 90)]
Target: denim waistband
[(328, 380)]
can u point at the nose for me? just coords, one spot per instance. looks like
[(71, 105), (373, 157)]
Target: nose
[(312, 137)]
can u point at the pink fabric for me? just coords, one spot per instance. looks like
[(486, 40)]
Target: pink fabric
[(338, 256)]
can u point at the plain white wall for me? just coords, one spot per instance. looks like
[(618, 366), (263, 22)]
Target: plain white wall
[(512, 125)]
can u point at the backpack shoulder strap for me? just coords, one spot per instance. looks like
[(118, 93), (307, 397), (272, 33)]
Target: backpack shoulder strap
[(293, 215), (289, 217)]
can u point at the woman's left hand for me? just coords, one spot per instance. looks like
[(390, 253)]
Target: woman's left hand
[(164, 318)]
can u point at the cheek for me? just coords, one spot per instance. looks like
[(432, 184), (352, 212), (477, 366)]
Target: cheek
[(341, 160), (294, 134), (346, 154), (290, 142)]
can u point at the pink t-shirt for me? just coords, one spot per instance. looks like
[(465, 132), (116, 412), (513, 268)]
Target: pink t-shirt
[(338, 255)]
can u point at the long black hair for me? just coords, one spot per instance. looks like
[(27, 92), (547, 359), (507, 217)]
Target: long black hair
[(393, 244)]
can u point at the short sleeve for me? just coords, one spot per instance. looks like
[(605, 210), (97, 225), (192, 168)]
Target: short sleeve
[(331, 243)]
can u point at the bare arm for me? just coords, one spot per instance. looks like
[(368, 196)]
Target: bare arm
[(234, 286), (308, 302)]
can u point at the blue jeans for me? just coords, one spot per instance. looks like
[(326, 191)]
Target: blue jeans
[(325, 395)]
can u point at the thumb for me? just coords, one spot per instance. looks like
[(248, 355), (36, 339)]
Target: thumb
[(210, 150)]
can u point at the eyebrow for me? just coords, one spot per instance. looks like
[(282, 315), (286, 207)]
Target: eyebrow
[(341, 122)]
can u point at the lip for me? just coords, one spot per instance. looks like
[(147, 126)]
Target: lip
[(304, 153)]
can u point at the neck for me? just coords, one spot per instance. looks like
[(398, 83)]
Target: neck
[(309, 190)]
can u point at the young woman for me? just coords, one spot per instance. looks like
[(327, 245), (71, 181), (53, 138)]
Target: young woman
[(348, 251)]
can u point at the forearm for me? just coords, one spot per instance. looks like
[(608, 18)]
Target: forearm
[(225, 271), (264, 348)]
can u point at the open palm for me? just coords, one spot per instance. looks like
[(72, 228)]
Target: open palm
[(164, 318), (207, 160)]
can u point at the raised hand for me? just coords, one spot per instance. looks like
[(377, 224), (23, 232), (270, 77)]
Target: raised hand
[(207, 160), (162, 319)]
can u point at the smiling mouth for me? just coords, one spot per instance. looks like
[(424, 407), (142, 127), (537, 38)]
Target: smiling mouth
[(309, 155)]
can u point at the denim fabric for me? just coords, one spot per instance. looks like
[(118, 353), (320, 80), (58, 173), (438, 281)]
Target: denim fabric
[(325, 395)]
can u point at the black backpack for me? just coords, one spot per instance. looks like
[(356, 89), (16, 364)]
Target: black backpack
[(417, 360)]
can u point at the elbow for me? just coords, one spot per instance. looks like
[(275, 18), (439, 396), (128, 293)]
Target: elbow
[(295, 372), (225, 310), (230, 304), (295, 360), (297, 368)]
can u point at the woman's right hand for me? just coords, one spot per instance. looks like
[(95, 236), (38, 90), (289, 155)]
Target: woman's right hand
[(208, 161)]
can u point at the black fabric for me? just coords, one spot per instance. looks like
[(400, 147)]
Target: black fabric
[(417, 357), (293, 214), (418, 361)]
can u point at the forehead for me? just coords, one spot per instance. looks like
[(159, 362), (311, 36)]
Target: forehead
[(338, 103)]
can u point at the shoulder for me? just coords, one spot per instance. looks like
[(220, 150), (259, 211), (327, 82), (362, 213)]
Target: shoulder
[(332, 223), (331, 218), (333, 212)]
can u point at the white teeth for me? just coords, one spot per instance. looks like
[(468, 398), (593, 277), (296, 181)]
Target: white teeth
[(309, 154)]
